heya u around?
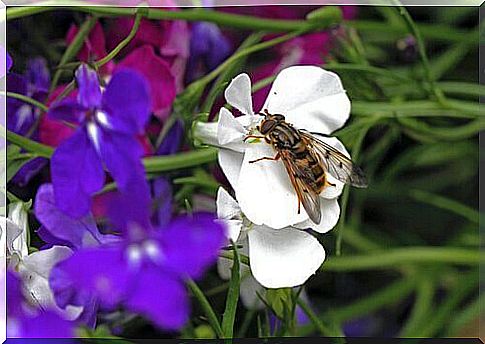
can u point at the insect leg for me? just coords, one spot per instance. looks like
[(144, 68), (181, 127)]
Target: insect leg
[(276, 157), (253, 137)]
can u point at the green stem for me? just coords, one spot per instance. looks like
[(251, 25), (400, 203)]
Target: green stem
[(395, 258), (317, 322), (445, 203), (345, 197), (25, 99), (229, 315), (180, 160), (438, 32), (391, 293), (29, 145), (367, 69), (248, 51), (422, 52), (422, 307), (73, 49), (112, 54), (207, 308), (220, 18), (417, 108), (466, 284), (152, 164)]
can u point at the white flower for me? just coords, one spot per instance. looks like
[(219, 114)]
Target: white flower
[(310, 98), (34, 268), (279, 258)]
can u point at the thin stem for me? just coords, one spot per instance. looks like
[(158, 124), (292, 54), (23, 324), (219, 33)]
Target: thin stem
[(29, 145), (445, 203), (112, 54), (395, 258), (180, 160), (422, 306), (422, 52), (207, 308), (318, 323), (221, 18), (73, 49), (345, 197), (25, 99)]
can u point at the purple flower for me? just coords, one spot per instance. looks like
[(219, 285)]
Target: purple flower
[(108, 123), (9, 62), (60, 229), (24, 321), (173, 140), (21, 116), (144, 272), (208, 48)]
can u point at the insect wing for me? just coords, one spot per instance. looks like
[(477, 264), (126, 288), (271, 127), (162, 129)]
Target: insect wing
[(336, 163), (308, 198)]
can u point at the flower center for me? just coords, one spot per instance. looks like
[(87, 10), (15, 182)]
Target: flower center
[(147, 249)]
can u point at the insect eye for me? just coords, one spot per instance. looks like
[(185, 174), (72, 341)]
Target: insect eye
[(266, 126)]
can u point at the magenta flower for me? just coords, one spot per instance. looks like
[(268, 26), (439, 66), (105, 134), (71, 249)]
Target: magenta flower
[(108, 123), (94, 48), (24, 321), (145, 271), (170, 40)]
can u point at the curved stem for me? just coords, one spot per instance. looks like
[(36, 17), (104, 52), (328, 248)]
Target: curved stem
[(112, 54), (394, 258), (239, 21), (25, 99)]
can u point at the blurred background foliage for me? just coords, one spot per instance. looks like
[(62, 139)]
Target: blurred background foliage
[(403, 261)]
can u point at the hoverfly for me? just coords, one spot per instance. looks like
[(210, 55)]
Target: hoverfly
[(307, 160)]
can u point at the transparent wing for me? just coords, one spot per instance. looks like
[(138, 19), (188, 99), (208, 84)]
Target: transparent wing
[(336, 163), (306, 195)]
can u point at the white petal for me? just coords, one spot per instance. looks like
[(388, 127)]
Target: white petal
[(230, 162), (230, 214), (233, 228), (42, 261), (324, 115), (310, 97), (231, 131), (35, 269), (238, 94), (330, 210), (264, 191), (283, 258), (13, 233), (227, 207), (206, 132), (17, 214)]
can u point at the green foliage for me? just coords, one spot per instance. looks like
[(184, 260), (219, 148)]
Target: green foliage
[(413, 234)]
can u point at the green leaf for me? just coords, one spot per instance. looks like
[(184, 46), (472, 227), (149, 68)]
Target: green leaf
[(206, 306), (280, 301), (16, 160), (73, 48), (325, 13), (232, 297)]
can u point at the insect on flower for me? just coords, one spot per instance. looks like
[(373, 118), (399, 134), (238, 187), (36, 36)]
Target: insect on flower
[(307, 160)]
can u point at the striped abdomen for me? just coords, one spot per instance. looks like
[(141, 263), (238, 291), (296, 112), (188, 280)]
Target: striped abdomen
[(308, 168)]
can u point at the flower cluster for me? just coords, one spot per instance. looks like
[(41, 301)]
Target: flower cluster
[(113, 242), (265, 217)]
